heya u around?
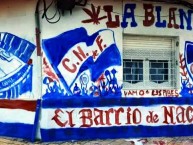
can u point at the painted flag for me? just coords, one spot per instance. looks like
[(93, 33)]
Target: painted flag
[(188, 58), (19, 118), (73, 52), (15, 72)]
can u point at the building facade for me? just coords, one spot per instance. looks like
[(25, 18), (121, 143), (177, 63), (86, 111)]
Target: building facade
[(97, 68)]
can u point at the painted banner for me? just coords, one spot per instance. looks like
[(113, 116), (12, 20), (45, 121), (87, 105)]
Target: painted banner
[(80, 60), (19, 118), (15, 66), (97, 118)]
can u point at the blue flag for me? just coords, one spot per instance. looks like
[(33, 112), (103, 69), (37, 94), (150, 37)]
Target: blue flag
[(73, 52)]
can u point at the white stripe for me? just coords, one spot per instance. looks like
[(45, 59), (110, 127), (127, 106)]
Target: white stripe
[(16, 116), (47, 122)]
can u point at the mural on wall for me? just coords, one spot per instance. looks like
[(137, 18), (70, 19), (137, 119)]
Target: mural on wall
[(15, 66), (82, 95), (82, 66), (106, 116)]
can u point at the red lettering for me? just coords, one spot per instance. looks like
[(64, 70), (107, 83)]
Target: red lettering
[(117, 115), (133, 116), (108, 116), (168, 115), (125, 93), (152, 118), (70, 118), (141, 92), (56, 118), (86, 118), (79, 53), (165, 93), (172, 93), (99, 118), (128, 115), (188, 112), (180, 115), (99, 41), (149, 17), (135, 112), (154, 92), (130, 93), (72, 70), (110, 23), (63, 124), (134, 92), (176, 93), (172, 17)]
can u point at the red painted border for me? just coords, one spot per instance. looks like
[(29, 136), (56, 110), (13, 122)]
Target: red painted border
[(29, 105)]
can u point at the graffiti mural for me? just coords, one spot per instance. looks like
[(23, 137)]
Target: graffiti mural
[(81, 70), (83, 98), (82, 66), (15, 66)]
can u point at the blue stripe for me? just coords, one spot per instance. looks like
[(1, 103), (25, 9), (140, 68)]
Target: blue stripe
[(78, 101), (16, 130), (36, 120), (115, 132)]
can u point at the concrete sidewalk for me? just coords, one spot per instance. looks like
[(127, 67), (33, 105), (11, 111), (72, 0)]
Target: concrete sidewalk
[(152, 141)]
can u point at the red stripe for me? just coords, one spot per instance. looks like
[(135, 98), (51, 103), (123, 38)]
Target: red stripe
[(29, 105)]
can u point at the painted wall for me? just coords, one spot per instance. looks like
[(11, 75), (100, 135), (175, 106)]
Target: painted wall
[(133, 18), (149, 19), (79, 74)]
